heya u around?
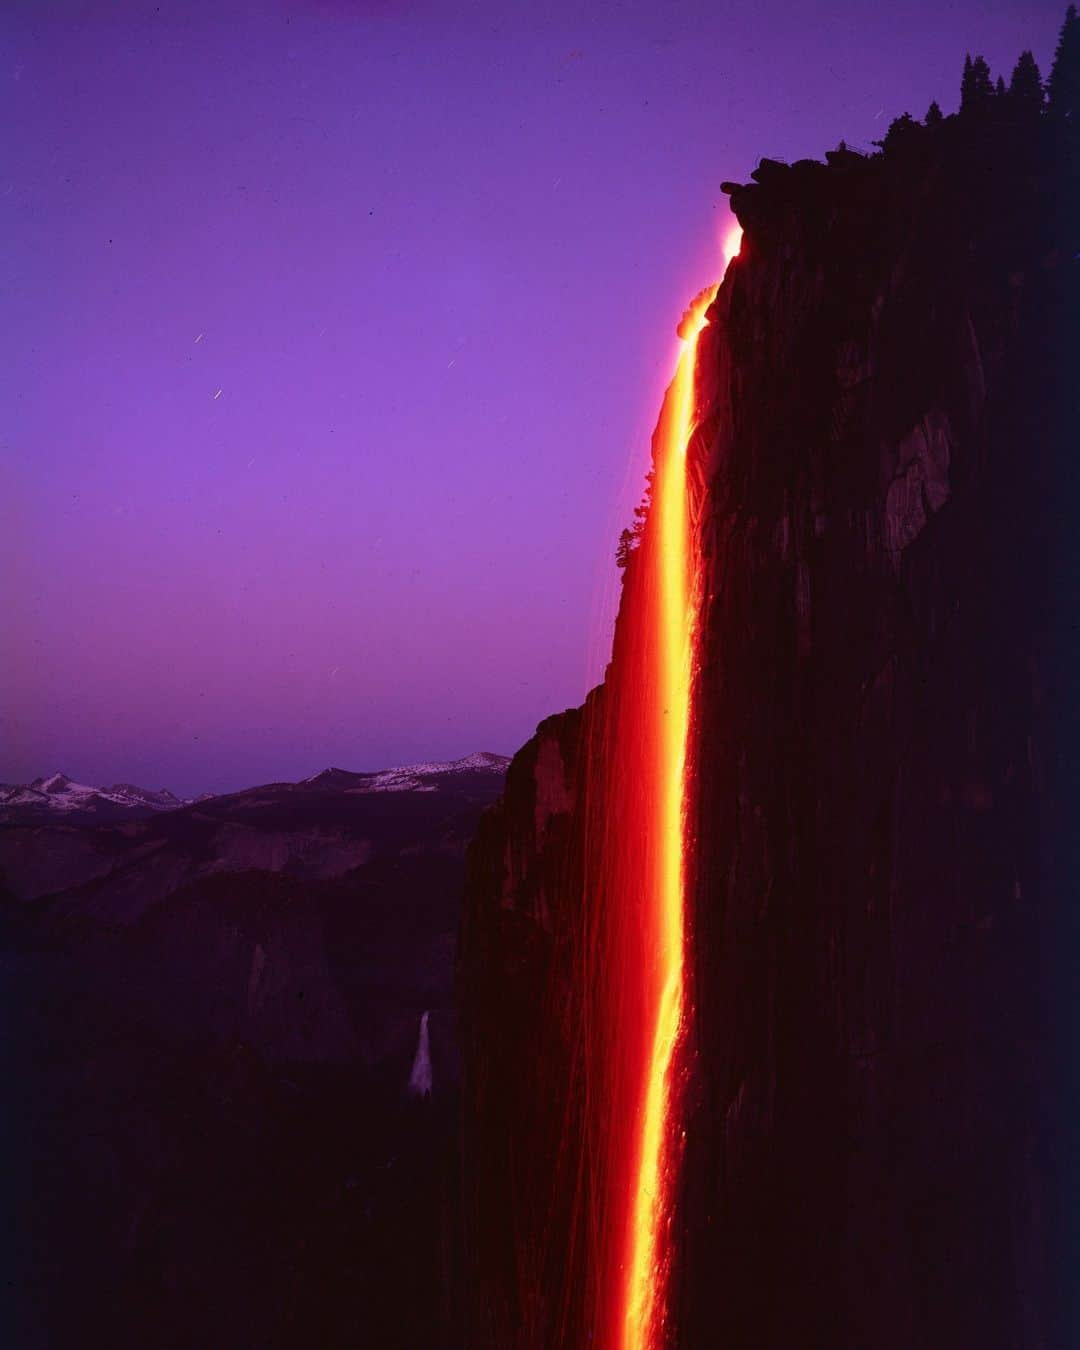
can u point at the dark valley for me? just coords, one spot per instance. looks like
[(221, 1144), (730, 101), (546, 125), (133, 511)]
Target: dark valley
[(214, 1014)]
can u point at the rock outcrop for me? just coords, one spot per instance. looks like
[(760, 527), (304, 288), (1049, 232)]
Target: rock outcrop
[(882, 898)]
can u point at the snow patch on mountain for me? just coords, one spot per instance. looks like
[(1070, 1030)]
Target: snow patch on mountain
[(58, 795), (410, 777)]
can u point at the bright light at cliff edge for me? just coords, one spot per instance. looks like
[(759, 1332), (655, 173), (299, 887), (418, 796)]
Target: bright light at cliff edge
[(732, 243)]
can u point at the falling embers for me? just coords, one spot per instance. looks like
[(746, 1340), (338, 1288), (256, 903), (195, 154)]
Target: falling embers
[(574, 956), (634, 862)]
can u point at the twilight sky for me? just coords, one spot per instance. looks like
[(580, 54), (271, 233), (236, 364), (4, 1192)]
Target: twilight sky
[(334, 334)]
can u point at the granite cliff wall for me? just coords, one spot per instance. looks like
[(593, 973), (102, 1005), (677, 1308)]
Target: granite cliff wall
[(881, 906)]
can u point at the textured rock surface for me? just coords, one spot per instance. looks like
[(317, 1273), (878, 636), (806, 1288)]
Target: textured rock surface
[(520, 1015), (881, 905)]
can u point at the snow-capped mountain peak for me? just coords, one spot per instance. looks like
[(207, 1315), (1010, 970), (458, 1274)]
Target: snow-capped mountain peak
[(409, 777), (55, 783), (57, 795)]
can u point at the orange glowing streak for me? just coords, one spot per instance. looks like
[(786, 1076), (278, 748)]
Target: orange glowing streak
[(645, 1268)]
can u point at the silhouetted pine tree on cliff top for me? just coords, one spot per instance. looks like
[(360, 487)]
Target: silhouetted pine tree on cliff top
[(1026, 86), (976, 87), (1063, 86), (978, 96), (983, 99)]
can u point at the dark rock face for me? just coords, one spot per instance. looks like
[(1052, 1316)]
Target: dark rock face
[(882, 895), (520, 1015)]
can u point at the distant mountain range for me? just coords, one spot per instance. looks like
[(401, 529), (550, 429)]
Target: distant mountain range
[(58, 798)]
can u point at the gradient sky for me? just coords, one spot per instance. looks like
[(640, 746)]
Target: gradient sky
[(432, 256)]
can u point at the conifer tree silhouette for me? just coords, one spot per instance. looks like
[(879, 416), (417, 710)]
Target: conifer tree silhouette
[(1026, 87), (1063, 86), (899, 133), (976, 87)]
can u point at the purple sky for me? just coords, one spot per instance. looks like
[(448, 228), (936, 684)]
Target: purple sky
[(432, 256)]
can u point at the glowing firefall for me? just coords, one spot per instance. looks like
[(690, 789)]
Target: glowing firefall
[(646, 1264)]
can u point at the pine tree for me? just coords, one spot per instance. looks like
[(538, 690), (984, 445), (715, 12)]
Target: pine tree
[(933, 115), (984, 85), (976, 87), (1063, 86), (967, 86), (1026, 87), (901, 129)]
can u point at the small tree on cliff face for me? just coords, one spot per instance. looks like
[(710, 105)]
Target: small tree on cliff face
[(1063, 86), (976, 87), (1026, 87), (631, 537)]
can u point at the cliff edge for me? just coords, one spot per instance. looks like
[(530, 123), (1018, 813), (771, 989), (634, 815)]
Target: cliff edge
[(881, 901)]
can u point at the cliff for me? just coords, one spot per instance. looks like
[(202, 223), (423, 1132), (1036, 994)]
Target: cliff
[(877, 1060)]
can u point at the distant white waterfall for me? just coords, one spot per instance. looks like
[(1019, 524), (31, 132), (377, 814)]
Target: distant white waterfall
[(420, 1078)]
